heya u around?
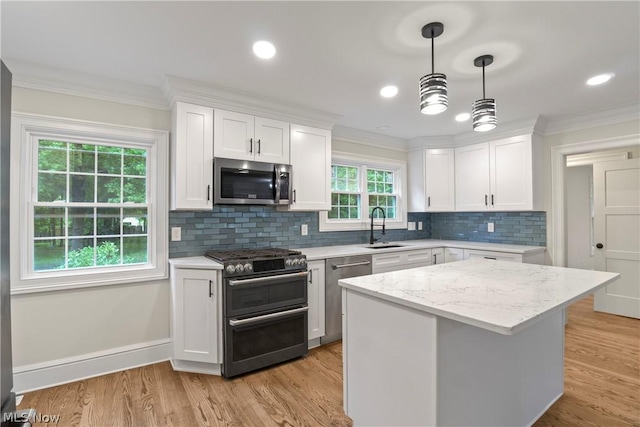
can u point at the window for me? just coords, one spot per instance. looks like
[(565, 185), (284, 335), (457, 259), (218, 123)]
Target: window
[(90, 207), (359, 184)]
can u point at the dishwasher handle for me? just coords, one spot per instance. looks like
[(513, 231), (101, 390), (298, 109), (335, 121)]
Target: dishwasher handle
[(351, 264)]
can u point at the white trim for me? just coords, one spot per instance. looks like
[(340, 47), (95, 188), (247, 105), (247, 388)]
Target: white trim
[(26, 128), (364, 223), (558, 236), (370, 139), (591, 158), (196, 367), (593, 119), (62, 371)]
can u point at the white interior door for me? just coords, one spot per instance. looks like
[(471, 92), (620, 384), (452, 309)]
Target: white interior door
[(616, 188)]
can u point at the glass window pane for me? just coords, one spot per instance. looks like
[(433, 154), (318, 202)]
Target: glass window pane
[(135, 165), (343, 212), (51, 159), (352, 186), (389, 177), (81, 188), (108, 251), (353, 200), (109, 189), (107, 149), (135, 190), (341, 185), (333, 213), (80, 222), (52, 187), (134, 250), (108, 221), (48, 222), (344, 199), (371, 187), (81, 253), (388, 188), (353, 173), (373, 201), (341, 172), (82, 160), (354, 213), (48, 254), (334, 198), (109, 163), (391, 213), (134, 221)]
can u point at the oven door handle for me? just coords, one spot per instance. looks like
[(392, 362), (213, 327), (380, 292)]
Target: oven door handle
[(267, 278), (267, 316)]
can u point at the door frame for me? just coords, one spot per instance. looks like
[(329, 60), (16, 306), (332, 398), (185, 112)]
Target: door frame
[(559, 154)]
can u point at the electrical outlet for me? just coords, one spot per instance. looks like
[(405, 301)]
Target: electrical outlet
[(411, 225), (419, 225), (490, 227), (176, 234), (304, 229)]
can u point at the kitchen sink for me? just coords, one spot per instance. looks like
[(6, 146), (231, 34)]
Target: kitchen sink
[(383, 246)]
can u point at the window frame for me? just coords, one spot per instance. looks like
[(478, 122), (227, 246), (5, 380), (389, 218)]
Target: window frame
[(366, 162), (26, 131)]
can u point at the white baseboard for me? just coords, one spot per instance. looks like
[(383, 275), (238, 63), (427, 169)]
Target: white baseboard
[(61, 371)]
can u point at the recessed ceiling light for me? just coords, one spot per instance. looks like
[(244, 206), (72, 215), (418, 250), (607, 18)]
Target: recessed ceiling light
[(463, 117), (383, 127), (389, 91), (264, 49), (599, 79)]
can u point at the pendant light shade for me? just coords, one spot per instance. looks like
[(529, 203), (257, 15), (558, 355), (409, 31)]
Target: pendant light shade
[(433, 87), (483, 111)]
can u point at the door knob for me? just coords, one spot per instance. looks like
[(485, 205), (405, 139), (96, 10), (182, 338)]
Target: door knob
[(599, 245)]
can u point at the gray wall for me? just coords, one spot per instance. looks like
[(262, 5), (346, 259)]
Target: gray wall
[(579, 217)]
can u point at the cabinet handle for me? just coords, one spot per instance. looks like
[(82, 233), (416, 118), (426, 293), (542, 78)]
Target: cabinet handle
[(434, 258), (210, 288), (428, 201), (485, 200), (294, 196), (489, 257), (310, 276), (492, 200), (258, 146), (251, 145), (208, 193)]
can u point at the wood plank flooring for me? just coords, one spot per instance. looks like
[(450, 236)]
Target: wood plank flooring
[(602, 388)]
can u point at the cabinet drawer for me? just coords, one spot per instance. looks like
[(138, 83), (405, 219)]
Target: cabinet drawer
[(453, 254), (383, 263), (501, 256)]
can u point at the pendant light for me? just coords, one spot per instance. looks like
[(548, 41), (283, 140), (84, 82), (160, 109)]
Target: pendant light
[(433, 87), (484, 110)]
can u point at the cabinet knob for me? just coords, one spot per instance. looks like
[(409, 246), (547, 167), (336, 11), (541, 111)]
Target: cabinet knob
[(599, 245)]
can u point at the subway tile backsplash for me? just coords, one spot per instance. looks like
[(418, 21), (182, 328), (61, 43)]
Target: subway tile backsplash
[(516, 228), (235, 227)]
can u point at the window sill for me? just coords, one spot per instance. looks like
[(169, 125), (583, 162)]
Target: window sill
[(361, 226)]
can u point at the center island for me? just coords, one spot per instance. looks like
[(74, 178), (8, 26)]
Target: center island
[(470, 343)]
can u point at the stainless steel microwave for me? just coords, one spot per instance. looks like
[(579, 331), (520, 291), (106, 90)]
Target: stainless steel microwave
[(250, 183)]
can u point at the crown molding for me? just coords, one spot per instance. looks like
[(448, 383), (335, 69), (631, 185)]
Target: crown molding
[(443, 141), (363, 137), (65, 82), (184, 90), (530, 125), (593, 119)]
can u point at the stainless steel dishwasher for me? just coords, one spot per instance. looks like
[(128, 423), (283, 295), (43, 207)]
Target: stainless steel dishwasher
[(336, 269)]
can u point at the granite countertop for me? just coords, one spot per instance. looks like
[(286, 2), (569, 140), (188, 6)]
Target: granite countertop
[(324, 252), (499, 296)]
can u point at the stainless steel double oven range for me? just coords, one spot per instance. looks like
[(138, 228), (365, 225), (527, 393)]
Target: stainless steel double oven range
[(264, 295)]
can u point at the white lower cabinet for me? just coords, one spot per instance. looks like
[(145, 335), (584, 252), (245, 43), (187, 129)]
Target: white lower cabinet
[(530, 258), (393, 261), (195, 323), (453, 254), (437, 255), (315, 295)]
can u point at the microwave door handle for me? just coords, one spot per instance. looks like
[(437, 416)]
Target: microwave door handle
[(276, 180)]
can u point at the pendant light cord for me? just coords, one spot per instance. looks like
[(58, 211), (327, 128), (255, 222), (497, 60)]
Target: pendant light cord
[(483, 95), (432, 53)]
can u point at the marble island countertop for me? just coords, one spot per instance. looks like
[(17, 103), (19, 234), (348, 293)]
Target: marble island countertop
[(499, 296)]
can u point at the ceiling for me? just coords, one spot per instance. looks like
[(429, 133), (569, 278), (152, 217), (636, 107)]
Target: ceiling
[(335, 56)]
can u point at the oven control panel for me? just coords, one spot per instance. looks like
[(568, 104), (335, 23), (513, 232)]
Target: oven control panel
[(265, 265)]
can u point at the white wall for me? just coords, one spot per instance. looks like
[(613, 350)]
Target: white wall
[(53, 325), (367, 150), (578, 181)]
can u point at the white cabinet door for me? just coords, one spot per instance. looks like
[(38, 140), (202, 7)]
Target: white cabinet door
[(234, 135), (393, 261), (502, 256), (311, 162), (510, 168), (439, 175), (315, 295), (472, 177), (453, 254), (195, 323), (437, 255), (191, 157), (271, 141)]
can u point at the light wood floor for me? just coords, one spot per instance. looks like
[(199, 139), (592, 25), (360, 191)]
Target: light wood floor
[(602, 388)]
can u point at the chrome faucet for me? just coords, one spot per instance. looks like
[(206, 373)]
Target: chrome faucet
[(384, 217)]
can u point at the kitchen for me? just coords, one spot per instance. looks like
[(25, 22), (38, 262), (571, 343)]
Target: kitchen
[(90, 338)]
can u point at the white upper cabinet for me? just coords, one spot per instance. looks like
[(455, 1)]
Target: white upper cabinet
[(498, 175), (311, 165), (191, 157), (439, 177), (472, 177), (246, 137)]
